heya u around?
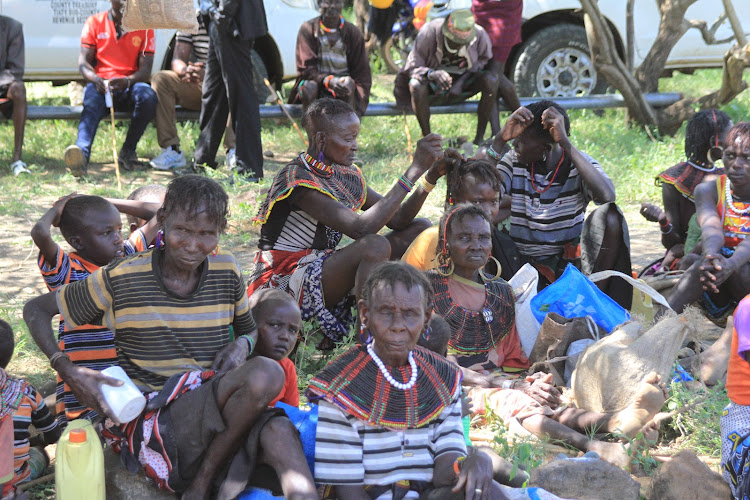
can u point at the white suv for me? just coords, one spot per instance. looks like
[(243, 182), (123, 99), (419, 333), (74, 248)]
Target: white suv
[(553, 60), (52, 31)]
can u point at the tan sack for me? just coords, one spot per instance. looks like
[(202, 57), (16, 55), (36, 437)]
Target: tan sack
[(160, 14), (609, 372)]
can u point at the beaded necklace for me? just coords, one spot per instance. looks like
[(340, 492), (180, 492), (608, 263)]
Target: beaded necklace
[(730, 201), (701, 166), (317, 166), (326, 29), (554, 176), (398, 385)]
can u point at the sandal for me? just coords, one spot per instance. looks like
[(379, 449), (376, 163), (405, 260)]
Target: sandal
[(19, 167)]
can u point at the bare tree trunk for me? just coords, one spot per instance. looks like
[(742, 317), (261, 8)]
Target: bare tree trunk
[(630, 34)]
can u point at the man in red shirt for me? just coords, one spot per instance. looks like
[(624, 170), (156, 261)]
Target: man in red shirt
[(122, 61)]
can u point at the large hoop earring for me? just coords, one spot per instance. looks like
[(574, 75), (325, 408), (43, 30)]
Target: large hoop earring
[(159, 243), (710, 154), (364, 335), (485, 278), (444, 274)]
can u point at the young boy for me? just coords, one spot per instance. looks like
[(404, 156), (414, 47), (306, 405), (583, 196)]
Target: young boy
[(92, 227), (279, 322), (31, 410)]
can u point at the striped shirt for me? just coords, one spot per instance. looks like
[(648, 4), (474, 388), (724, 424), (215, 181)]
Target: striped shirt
[(542, 223), (198, 41), (90, 346), (32, 411), (157, 333), (349, 451)]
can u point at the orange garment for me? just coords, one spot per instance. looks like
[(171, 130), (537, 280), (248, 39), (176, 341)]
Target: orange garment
[(738, 373), (115, 58), (736, 227), (289, 393), (421, 253)]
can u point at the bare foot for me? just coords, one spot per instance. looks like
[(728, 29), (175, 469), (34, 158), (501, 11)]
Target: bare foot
[(614, 453), (648, 401), (651, 213)]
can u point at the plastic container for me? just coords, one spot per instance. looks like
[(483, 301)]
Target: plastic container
[(126, 401), (79, 468), (6, 450)]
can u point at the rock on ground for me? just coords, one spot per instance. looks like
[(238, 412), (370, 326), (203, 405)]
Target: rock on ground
[(122, 485), (585, 479), (685, 476)]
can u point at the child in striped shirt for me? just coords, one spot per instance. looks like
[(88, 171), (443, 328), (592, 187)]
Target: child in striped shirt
[(29, 410)]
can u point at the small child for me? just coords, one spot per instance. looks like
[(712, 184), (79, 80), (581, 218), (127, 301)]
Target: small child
[(279, 322), (31, 410), (92, 227)]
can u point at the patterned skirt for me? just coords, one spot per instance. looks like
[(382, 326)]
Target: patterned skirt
[(299, 274), (735, 449)]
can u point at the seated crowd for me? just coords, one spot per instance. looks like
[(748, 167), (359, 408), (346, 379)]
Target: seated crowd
[(431, 308)]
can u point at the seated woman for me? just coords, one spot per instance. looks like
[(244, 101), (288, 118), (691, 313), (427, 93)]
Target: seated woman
[(480, 308), (170, 309), (483, 338), (468, 181), (315, 199), (704, 136), (723, 212), (389, 418), (550, 183)]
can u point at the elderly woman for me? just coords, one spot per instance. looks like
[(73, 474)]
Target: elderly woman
[(171, 309), (550, 183), (480, 312), (389, 422), (315, 199)]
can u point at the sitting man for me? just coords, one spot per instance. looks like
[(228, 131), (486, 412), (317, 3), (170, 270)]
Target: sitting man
[(450, 62), (182, 85), (111, 58), (332, 60), (12, 90)]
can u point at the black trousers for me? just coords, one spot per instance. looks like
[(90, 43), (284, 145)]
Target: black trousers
[(228, 88)]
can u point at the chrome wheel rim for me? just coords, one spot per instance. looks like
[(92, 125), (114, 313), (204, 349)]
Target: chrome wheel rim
[(566, 72)]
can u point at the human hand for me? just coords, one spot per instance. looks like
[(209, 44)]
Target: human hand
[(715, 270), (194, 72), (58, 206), (117, 84), (542, 390), (86, 384), (451, 159), (441, 78), (342, 85), (554, 122), (517, 122), (429, 150), (466, 404), (100, 84), (232, 356), (475, 478)]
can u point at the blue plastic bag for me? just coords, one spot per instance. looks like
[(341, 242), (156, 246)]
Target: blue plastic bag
[(574, 296)]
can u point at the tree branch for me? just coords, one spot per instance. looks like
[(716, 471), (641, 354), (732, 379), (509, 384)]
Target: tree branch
[(709, 34)]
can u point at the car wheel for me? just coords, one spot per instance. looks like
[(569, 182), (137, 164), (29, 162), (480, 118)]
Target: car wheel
[(556, 62), (259, 73), (396, 49)]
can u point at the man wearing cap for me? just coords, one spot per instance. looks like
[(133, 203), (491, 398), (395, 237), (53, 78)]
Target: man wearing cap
[(450, 62)]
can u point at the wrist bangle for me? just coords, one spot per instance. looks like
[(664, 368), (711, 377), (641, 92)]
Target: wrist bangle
[(326, 82), (457, 465), (493, 154), (426, 185), (429, 72), (250, 343), (665, 227), (56, 357), (405, 183)]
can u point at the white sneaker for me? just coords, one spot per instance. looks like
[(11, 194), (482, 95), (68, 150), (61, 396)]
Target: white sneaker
[(168, 159), (231, 159), (19, 167)]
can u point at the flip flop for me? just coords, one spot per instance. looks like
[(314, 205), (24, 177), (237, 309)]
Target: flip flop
[(19, 167)]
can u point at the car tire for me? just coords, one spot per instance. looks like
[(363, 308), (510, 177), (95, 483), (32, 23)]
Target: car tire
[(556, 62), (259, 73)]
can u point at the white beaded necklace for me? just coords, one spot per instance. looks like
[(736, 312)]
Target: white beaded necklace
[(387, 374), (730, 201)]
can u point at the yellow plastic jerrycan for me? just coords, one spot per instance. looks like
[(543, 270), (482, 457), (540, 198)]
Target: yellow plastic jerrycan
[(79, 468)]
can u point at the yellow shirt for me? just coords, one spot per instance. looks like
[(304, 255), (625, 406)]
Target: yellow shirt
[(422, 251)]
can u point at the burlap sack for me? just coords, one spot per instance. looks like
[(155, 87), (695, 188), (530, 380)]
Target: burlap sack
[(160, 14), (609, 372)]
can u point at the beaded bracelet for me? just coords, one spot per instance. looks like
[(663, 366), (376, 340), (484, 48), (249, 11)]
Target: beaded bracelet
[(493, 154), (326, 82), (668, 230), (250, 342), (405, 183), (457, 465), (426, 185), (55, 357)]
